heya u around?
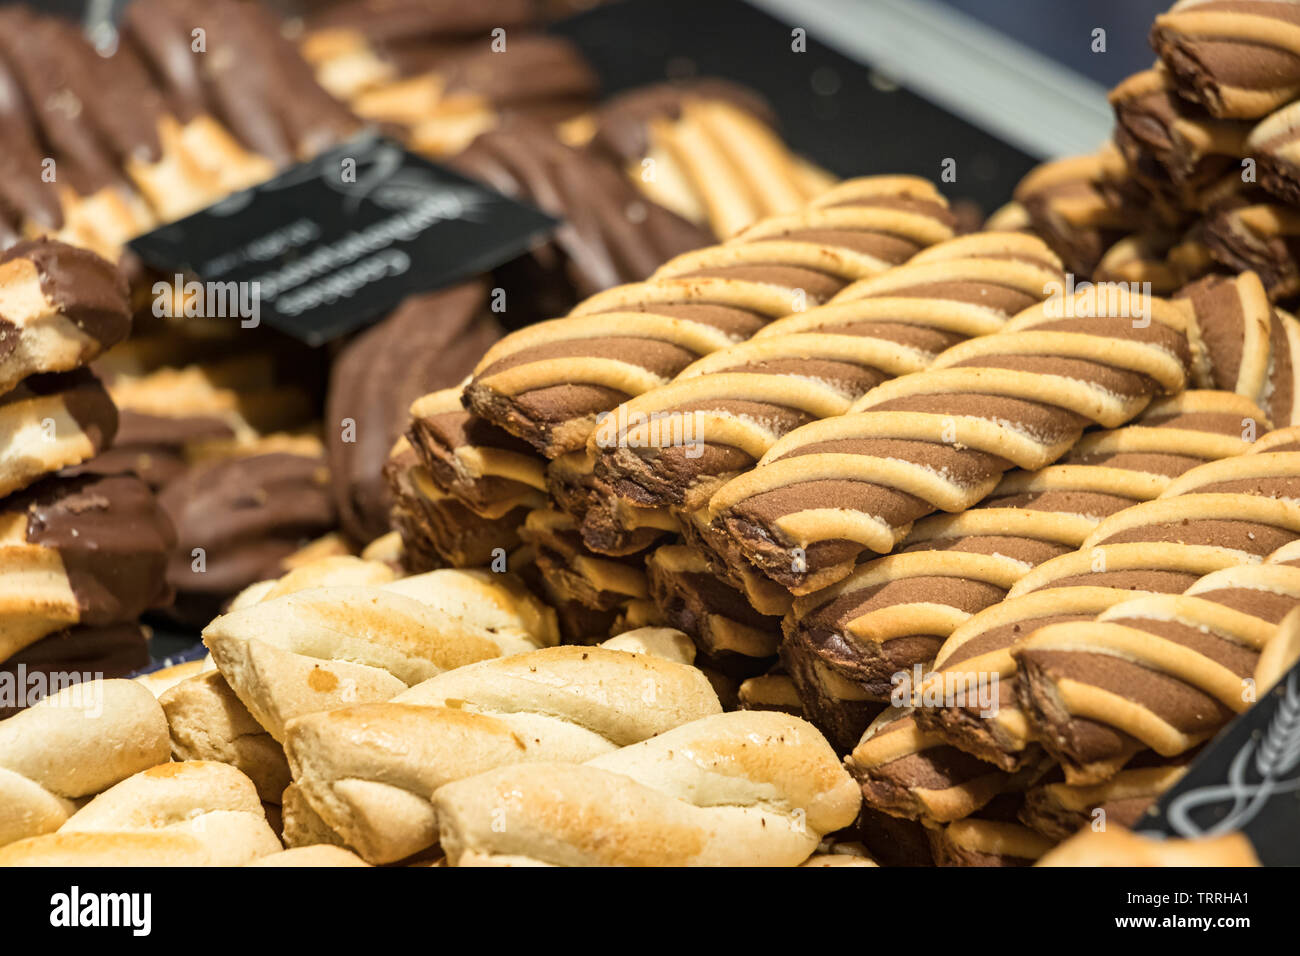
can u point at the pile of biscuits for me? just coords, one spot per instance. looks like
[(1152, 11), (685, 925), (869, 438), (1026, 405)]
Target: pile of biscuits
[(886, 478), (82, 554), (1200, 175)]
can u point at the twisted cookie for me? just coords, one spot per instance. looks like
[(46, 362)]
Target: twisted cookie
[(1159, 547), (1165, 671), (1065, 203), (437, 528), (834, 490), (573, 573), (194, 813), (723, 623), (1260, 236), (206, 719), (676, 444), (749, 788), (1058, 810), (1173, 147), (893, 613), (487, 469), (1242, 344), (907, 771), (73, 744), (1238, 60), (559, 703), (548, 383)]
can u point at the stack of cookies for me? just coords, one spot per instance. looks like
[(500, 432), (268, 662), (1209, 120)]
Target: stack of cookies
[(83, 554), (1199, 175), (864, 464)]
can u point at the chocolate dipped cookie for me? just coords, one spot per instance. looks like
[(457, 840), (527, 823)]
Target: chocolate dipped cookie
[(81, 549), (430, 342), (549, 383)]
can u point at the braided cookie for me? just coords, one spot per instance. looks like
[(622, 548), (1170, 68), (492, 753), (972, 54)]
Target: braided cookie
[(833, 491), (1119, 847), (60, 307), (750, 788), (676, 444), (1241, 344), (436, 528), (573, 572), (559, 703), (324, 647), (548, 383), (1066, 205), (892, 614), (79, 550), (1058, 810), (1173, 147), (204, 813), (1165, 671), (725, 626), (206, 719), (1263, 237), (73, 744), (1238, 60), (707, 151), (487, 469), (1158, 547), (52, 421), (910, 772), (992, 836)]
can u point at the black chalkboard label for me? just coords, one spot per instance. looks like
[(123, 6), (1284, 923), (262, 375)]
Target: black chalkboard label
[(335, 243), (1247, 779)]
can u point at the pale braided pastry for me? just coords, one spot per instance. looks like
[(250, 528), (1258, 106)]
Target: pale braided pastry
[(548, 383), (892, 614), (323, 647), (74, 744), (196, 813), (368, 772), (828, 493), (748, 788)]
